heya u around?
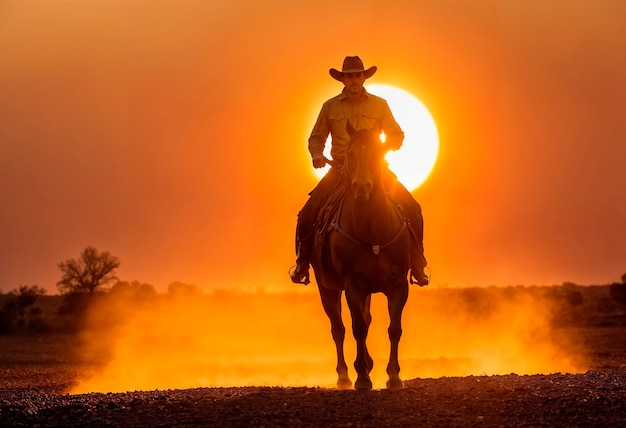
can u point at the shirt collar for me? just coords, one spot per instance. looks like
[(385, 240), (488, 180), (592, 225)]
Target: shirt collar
[(344, 96)]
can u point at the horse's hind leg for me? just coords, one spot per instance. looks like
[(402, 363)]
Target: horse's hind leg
[(396, 304), (331, 301)]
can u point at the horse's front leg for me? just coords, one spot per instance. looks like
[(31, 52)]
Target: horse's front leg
[(360, 326), (367, 313), (331, 301), (396, 302)]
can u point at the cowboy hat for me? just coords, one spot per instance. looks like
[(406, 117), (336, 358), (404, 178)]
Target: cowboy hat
[(352, 64)]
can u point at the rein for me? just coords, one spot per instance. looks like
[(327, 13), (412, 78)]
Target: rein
[(333, 163), (376, 248)]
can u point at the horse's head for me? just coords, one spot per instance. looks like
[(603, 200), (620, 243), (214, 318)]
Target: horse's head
[(364, 161)]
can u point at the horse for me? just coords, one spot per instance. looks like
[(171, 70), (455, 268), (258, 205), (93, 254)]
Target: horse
[(365, 251)]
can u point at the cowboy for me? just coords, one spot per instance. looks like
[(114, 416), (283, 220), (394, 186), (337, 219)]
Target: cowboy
[(364, 111)]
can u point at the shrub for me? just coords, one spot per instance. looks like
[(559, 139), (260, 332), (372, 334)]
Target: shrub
[(617, 292)]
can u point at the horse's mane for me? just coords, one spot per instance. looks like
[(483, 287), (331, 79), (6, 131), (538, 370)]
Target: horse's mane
[(369, 138)]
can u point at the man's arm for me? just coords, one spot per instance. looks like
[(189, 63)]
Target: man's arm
[(318, 137), (394, 136)]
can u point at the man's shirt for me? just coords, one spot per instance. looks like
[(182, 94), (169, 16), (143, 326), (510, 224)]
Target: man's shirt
[(370, 112)]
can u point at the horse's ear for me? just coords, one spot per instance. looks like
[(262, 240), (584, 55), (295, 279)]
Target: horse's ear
[(349, 128)]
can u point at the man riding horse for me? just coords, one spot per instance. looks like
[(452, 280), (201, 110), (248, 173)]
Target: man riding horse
[(363, 111)]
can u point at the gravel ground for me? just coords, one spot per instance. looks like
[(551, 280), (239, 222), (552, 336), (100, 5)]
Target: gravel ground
[(33, 378), (591, 399)]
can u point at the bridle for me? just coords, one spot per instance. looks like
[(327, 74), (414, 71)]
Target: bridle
[(376, 248)]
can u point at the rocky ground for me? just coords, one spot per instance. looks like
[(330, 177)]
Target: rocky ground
[(35, 372), (592, 399)]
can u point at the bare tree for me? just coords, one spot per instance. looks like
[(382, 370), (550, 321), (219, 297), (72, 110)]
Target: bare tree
[(90, 271)]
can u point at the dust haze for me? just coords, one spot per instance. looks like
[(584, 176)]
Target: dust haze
[(189, 338)]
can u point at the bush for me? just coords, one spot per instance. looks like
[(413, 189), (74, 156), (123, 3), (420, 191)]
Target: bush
[(617, 292), (6, 320), (574, 297), (74, 303), (18, 310), (39, 325)]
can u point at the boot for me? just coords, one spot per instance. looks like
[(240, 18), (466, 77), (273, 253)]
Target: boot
[(418, 264), (300, 275), (419, 277)]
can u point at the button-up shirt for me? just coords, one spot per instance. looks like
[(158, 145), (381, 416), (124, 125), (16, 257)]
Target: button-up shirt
[(369, 112)]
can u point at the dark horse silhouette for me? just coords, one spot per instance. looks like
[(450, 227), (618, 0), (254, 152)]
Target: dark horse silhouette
[(365, 251)]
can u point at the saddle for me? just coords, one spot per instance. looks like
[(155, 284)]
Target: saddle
[(328, 216)]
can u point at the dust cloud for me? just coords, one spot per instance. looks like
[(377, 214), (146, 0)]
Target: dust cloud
[(189, 338)]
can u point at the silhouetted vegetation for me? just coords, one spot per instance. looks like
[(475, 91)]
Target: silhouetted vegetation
[(18, 312), (572, 294), (617, 292), (93, 269), (82, 280), (570, 304), (178, 288), (75, 303), (134, 292)]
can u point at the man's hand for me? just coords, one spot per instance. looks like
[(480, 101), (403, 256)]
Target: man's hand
[(392, 148), (319, 161)]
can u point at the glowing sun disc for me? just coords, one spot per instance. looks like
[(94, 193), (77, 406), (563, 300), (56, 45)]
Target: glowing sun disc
[(416, 159)]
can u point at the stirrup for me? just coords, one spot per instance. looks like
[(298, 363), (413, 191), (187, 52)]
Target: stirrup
[(420, 279), (299, 277)]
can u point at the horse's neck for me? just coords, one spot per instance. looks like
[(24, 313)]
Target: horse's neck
[(369, 218)]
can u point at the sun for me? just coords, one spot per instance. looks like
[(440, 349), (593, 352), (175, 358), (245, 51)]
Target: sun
[(416, 158)]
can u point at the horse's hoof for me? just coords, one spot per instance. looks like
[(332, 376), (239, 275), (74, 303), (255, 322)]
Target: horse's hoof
[(395, 384), (363, 384), (345, 383)]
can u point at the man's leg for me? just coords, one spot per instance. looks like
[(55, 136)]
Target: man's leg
[(413, 212), (305, 227)]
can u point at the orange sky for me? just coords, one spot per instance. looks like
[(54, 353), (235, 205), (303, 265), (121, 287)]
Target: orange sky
[(173, 134)]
